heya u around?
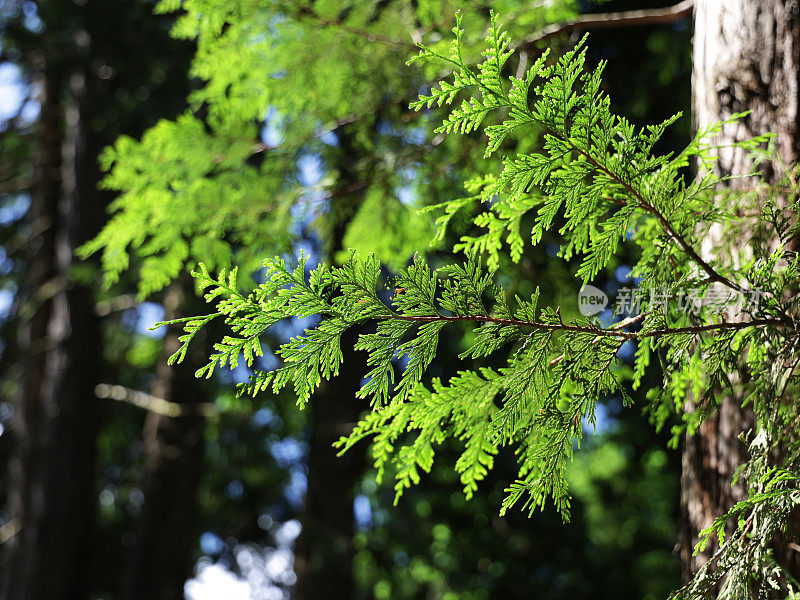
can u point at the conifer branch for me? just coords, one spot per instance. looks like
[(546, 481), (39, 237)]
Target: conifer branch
[(596, 182)]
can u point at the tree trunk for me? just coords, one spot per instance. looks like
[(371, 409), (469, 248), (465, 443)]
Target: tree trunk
[(324, 553), (746, 57), (166, 535), (56, 419)]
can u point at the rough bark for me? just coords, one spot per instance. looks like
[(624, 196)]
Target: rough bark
[(746, 57), (56, 418), (166, 534)]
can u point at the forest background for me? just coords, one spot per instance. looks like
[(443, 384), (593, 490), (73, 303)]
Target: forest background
[(138, 481)]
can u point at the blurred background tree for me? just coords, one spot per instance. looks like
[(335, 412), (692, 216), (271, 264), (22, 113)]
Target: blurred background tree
[(77, 76), (121, 475)]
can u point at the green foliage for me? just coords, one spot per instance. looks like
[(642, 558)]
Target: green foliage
[(534, 415), (203, 186), (377, 225), (598, 183), (187, 194)]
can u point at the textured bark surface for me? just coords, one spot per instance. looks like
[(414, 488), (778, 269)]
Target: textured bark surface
[(746, 57)]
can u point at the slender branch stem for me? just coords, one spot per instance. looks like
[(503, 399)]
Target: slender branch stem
[(152, 403), (628, 18), (713, 275), (367, 35), (616, 327), (611, 332)]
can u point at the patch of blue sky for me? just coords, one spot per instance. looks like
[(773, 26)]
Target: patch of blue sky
[(241, 373), (264, 417), (329, 138), (385, 128), (295, 490), (30, 112), (622, 274), (31, 20), (234, 490), (271, 134), (303, 212), (6, 264), (314, 201), (287, 329), (627, 351), (147, 315), (406, 192), (605, 421), (6, 303), (214, 581), (310, 167), (268, 361), (362, 512), (6, 409), (211, 543), (6, 412), (607, 318), (14, 208), (415, 135), (13, 93), (288, 452), (288, 532), (406, 195)]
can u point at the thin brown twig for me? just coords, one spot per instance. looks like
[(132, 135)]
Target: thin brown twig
[(611, 332), (628, 18), (363, 33), (713, 275), (596, 340)]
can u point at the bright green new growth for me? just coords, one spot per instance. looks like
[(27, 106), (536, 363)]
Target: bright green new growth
[(599, 179)]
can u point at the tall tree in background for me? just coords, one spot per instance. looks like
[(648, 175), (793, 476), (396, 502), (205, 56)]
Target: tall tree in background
[(167, 530), (56, 416), (72, 58)]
